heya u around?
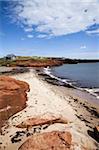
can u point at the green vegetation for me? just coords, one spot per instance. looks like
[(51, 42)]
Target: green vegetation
[(31, 58), (4, 62)]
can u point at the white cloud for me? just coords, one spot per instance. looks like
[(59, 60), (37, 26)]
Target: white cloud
[(30, 36), (57, 17), (83, 47), (42, 36), (93, 32), (28, 29)]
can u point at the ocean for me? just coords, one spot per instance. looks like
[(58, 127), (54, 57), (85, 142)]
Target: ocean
[(81, 75)]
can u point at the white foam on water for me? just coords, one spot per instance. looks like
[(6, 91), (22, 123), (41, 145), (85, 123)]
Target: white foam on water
[(48, 72), (91, 91)]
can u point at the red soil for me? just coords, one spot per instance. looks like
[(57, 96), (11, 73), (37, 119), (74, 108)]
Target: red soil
[(36, 63)]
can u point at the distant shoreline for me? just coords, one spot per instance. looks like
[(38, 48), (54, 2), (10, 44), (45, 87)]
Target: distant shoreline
[(42, 61)]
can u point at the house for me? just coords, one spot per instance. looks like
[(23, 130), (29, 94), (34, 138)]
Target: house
[(10, 57)]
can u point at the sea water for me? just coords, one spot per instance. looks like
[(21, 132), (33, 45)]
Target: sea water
[(85, 75), (81, 75)]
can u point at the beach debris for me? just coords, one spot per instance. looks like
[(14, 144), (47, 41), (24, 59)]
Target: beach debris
[(50, 140), (17, 137), (26, 133), (96, 133), (92, 111)]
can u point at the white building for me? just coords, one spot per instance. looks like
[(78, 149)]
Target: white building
[(10, 57)]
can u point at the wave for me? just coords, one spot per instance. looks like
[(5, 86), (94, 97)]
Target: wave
[(92, 91), (48, 72)]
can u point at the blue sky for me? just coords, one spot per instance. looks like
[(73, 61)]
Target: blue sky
[(44, 28)]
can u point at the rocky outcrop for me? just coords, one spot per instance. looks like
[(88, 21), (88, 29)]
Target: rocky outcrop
[(55, 140), (13, 70), (12, 97), (41, 121)]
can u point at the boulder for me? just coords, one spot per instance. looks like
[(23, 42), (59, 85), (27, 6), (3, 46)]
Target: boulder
[(41, 121), (55, 140), (8, 83)]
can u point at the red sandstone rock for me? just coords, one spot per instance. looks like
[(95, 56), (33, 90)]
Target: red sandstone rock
[(41, 121), (8, 83), (36, 63), (55, 140), (12, 97)]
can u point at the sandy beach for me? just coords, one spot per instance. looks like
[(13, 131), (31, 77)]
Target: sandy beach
[(48, 100), (49, 75)]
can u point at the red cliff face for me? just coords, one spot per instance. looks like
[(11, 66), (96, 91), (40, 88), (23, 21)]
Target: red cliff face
[(12, 97), (36, 63)]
